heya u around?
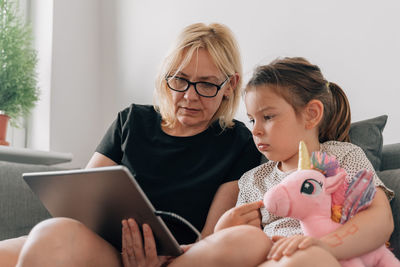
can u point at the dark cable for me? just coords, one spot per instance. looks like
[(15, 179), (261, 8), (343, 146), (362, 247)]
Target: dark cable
[(180, 219)]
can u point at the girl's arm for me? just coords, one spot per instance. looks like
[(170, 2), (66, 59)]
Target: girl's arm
[(366, 231), (224, 199)]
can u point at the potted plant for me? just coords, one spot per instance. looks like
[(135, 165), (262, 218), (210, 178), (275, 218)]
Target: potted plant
[(18, 84)]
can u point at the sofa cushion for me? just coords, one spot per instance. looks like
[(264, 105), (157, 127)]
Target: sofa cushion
[(367, 134), (390, 157), (391, 178), (20, 208)]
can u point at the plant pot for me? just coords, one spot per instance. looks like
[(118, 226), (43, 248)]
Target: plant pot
[(3, 129)]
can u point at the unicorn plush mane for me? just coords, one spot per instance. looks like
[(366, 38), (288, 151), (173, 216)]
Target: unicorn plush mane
[(329, 167)]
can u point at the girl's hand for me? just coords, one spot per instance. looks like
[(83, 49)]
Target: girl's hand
[(133, 252), (287, 246), (245, 214)]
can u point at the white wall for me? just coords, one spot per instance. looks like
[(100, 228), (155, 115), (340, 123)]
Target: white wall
[(356, 43), (75, 100), (106, 54), (41, 17)]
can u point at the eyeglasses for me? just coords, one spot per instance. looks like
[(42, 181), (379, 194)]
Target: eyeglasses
[(204, 89)]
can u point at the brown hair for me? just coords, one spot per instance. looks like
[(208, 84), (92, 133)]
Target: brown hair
[(298, 82), (220, 42)]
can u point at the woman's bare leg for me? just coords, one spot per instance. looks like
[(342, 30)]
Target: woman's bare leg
[(310, 257), (9, 251), (66, 242), (235, 246)]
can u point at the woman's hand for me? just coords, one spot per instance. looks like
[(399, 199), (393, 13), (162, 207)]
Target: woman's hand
[(245, 214), (133, 251), (287, 246)]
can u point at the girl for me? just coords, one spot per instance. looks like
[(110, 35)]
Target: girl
[(288, 101)]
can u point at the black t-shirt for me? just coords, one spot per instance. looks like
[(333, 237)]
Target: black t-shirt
[(178, 174)]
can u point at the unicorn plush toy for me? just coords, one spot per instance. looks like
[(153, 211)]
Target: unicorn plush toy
[(319, 196)]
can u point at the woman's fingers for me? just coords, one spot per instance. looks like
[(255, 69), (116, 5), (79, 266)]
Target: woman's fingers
[(128, 256), (136, 252), (137, 241), (149, 242)]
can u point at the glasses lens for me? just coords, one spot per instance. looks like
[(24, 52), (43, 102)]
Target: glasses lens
[(207, 89), (177, 83)]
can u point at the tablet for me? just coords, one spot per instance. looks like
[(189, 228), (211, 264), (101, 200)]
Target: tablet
[(100, 198)]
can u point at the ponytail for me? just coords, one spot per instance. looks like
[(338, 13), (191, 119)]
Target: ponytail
[(298, 82), (338, 117)]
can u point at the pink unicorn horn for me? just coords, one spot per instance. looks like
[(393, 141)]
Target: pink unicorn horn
[(304, 158)]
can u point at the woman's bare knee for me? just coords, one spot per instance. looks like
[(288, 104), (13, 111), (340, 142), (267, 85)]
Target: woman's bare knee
[(312, 256), (67, 240), (9, 251), (55, 225), (247, 243), (235, 246)]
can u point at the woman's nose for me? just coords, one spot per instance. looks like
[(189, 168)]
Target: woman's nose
[(191, 93)]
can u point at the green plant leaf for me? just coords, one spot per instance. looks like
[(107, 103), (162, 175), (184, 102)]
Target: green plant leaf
[(18, 80)]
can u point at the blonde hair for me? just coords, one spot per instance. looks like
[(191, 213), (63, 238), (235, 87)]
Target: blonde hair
[(220, 43)]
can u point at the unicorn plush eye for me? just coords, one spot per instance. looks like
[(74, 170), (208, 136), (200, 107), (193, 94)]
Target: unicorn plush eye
[(311, 187)]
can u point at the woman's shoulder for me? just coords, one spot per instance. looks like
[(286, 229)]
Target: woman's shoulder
[(239, 128), (139, 108), (138, 111), (237, 131), (240, 125)]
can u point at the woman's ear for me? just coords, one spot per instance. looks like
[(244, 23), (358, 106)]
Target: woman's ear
[(232, 84), (314, 111)]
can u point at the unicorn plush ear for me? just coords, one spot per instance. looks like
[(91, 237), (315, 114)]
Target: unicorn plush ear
[(304, 158), (334, 182)]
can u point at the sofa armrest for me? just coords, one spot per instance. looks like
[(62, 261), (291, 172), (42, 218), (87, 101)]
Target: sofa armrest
[(390, 157)]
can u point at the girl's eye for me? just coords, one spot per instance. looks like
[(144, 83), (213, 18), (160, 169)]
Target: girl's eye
[(267, 117), (251, 121)]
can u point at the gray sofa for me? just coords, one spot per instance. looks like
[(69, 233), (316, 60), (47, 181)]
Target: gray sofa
[(20, 210), (390, 175)]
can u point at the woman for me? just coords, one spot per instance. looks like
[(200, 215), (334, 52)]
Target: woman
[(186, 152)]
